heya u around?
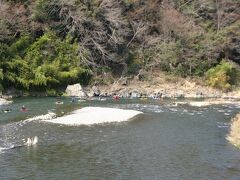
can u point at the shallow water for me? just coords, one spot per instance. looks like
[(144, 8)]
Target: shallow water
[(166, 142)]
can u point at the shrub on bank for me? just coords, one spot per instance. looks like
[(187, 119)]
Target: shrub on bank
[(223, 76), (51, 92)]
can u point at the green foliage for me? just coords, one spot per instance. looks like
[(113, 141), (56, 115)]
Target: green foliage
[(4, 52), (18, 72), (200, 66), (1, 78), (1, 74), (133, 64), (51, 92), (56, 61), (223, 76), (47, 63), (46, 10), (20, 45)]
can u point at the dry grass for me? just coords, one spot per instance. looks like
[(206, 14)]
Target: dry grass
[(234, 135)]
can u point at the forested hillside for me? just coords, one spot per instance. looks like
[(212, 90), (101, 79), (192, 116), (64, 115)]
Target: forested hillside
[(47, 44)]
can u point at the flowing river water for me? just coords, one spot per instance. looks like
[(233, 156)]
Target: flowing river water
[(166, 142)]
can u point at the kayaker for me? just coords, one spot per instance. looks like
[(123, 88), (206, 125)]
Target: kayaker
[(23, 109)]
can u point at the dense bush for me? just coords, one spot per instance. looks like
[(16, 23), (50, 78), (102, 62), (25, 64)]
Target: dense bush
[(48, 62), (223, 76)]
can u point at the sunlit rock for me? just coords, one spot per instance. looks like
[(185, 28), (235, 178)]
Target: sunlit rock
[(75, 90), (4, 101), (95, 115)]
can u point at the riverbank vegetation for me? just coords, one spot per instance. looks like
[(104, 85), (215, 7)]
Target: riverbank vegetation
[(45, 45), (234, 135), (223, 76)]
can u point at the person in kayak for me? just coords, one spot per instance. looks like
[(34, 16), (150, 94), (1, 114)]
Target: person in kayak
[(23, 109), (116, 97)]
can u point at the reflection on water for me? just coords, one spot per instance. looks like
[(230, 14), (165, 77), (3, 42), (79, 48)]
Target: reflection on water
[(166, 142)]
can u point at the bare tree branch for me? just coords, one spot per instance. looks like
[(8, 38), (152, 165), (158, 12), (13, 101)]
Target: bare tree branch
[(140, 27)]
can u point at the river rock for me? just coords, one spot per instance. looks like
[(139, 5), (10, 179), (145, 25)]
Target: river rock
[(4, 102), (179, 95), (125, 93), (135, 94), (96, 91), (75, 90), (199, 95), (104, 94), (93, 92)]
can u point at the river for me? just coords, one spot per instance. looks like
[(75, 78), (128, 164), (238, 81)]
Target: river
[(166, 142)]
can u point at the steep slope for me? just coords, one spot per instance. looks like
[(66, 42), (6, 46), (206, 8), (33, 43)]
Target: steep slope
[(121, 37)]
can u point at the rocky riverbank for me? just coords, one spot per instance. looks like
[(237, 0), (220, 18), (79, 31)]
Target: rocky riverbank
[(155, 86), (186, 90), (160, 85), (4, 102)]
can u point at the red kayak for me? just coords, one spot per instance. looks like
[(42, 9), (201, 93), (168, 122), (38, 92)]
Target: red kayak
[(24, 109), (116, 97)]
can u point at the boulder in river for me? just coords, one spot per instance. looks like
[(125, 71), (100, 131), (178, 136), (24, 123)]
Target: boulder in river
[(93, 92), (96, 91), (75, 90), (135, 94), (125, 94), (4, 101)]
